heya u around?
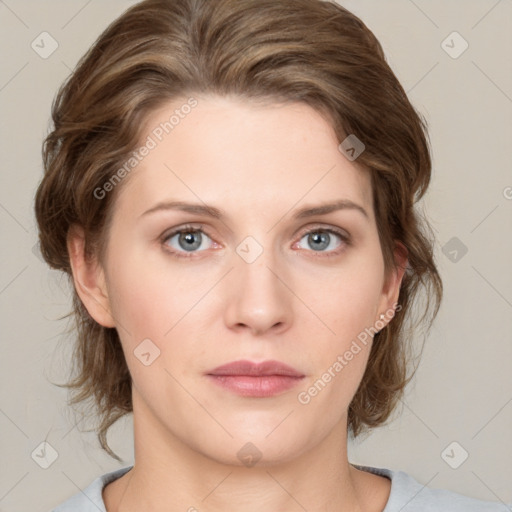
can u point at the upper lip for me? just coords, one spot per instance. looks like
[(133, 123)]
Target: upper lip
[(256, 369)]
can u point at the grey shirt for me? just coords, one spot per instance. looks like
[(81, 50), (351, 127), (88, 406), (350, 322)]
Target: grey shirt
[(407, 495)]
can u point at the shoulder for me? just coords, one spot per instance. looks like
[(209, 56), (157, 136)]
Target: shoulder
[(90, 499), (408, 495)]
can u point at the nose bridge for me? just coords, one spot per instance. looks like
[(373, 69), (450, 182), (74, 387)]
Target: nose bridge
[(258, 299)]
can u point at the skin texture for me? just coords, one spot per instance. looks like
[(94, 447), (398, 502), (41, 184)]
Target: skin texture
[(259, 163)]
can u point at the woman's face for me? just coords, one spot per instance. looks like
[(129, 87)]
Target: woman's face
[(250, 278)]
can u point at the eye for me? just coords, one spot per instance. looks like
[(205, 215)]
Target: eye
[(188, 239), (326, 240)]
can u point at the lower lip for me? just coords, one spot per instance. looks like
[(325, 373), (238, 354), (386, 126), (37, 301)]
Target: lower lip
[(259, 387)]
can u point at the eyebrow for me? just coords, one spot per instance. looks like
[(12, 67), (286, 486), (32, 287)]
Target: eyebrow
[(212, 211)]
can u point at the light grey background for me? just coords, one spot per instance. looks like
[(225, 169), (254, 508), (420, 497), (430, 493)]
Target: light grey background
[(463, 389)]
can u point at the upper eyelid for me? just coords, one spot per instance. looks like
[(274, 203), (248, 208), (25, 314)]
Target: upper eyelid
[(204, 229), (332, 229)]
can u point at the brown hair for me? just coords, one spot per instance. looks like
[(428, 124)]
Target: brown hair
[(310, 51)]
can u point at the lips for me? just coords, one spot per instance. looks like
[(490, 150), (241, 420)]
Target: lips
[(249, 369), (256, 380)]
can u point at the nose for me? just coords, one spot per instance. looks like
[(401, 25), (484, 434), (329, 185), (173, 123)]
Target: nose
[(258, 300)]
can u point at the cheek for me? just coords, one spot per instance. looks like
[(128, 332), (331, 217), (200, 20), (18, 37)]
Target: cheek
[(347, 299), (163, 303), (153, 307), (339, 353), (150, 295), (347, 306)]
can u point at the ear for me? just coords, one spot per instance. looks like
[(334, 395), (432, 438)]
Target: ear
[(89, 279), (391, 288)]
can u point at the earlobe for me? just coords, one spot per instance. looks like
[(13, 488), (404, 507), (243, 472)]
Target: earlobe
[(89, 279)]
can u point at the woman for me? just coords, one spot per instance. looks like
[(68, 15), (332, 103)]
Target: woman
[(231, 186)]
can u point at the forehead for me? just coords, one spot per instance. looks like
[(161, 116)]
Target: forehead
[(240, 153)]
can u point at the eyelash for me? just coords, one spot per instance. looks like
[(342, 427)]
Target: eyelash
[(345, 238)]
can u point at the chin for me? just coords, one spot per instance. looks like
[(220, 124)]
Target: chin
[(255, 449)]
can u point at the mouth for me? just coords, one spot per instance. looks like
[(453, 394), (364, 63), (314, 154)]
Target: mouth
[(258, 380)]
